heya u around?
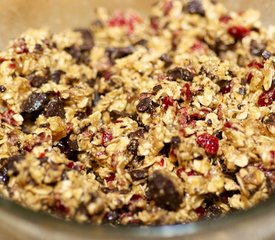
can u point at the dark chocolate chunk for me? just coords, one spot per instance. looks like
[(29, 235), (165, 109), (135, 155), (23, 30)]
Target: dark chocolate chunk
[(225, 86), (112, 217), (195, 7), (138, 174), (256, 48), (38, 80), (68, 147), (270, 119), (114, 53), (242, 90), (166, 59), (54, 108), (218, 134), (137, 134), (88, 39), (146, 105), (4, 178), (132, 147), (56, 75), (164, 191), (175, 141), (2, 88), (156, 89), (35, 103), (180, 73), (266, 54), (141, 42), (38, 48), (114, 115)]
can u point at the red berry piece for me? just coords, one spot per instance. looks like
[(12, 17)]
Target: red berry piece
[(255, 64), (224, 19), (106, 137), (167, 101), (209, 143), (110, 178), (238, 32), (266, 98)]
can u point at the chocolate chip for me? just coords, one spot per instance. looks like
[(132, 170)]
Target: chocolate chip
[(112, 217), (141, 42), (144, 104), (137, 134), (81, 56), (195, 7), (164, 191), (35, 103), (225, 86), (175, 141), (9, 165), (156, 89), (256, 48), (180, 73), (266, 54), (2, 88), (270, 119), (38, 80), (88, 39), (69, 148), (209, 122), (218, 134), (38, 48), (132, 147), (242, 90), (54, 108), (138, 174), (166, 59), (56, 75), (114, 115), (114, 53), (4, 178)]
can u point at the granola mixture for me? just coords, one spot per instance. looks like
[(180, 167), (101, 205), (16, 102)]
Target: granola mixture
[(159, 120)]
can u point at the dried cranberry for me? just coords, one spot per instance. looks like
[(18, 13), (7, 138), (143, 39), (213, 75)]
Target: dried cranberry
[(20, 46), (110, 178), (225, 86), (224, 18), (12, 65), (209, 143), (238, 32), (197, 46), (161, 162), (200, 211), (266, 98), (164, 191), (167, 7), (8, 117), (249, 77), (255, 64), (180, 171), (106, 137), (154, 23), (167, 101), (186, 91), (59, 208)]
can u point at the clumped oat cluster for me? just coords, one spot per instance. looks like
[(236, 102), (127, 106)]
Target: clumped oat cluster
[(159, 120)]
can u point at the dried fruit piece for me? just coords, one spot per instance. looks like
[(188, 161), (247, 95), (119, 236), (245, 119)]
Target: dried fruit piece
[(106, 137), (266, 98), (2, 88), (146, 105), (167, 101), (35, 103), (68, 147), (224, 18), (180, 73), (56, 75), (238, 32), (209, 143), (55, 108), (163, 190), (38, 80)]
